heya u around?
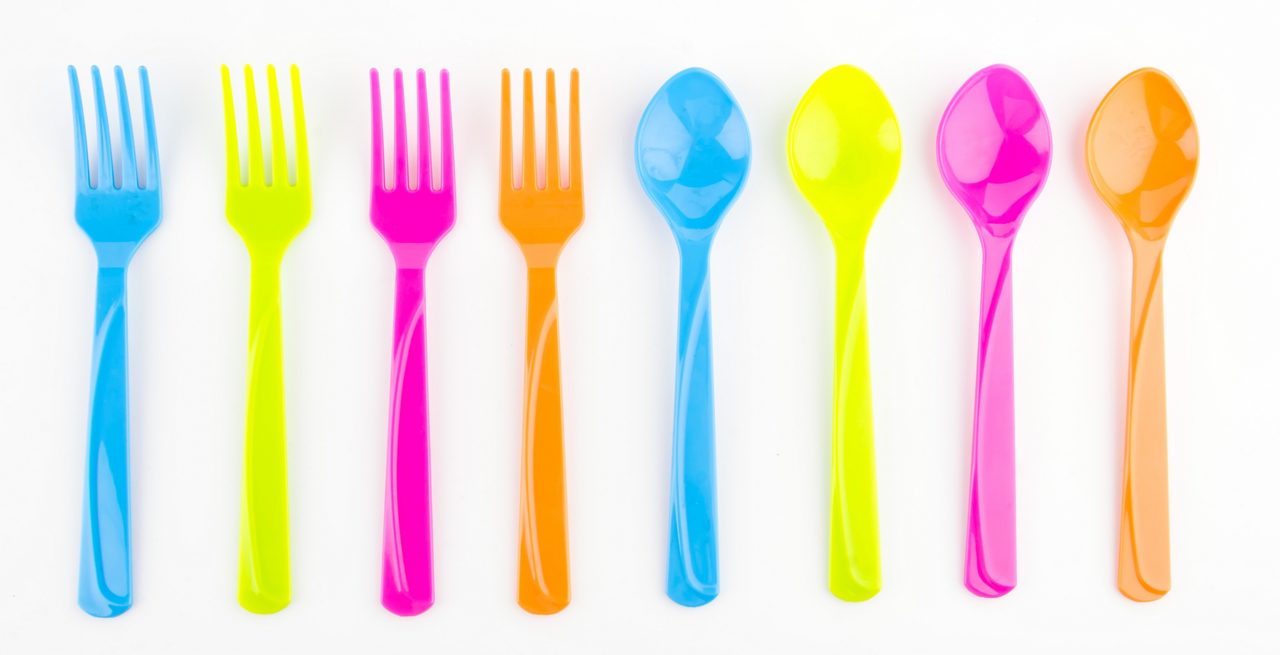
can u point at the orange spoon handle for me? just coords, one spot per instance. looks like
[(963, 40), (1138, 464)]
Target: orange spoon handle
[(544, 552), (1144, 515)]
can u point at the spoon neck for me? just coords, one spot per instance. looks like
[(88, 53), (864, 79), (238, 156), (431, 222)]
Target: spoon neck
[(695, 252), (995, 246)]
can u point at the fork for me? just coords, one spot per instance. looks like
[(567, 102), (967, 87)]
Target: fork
[(412, 218), (117, 214), (268, 214), (541, 219)]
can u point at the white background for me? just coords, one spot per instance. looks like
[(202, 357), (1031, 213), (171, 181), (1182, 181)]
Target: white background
[(772, 290)]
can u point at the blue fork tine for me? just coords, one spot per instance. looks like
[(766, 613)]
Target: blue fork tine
[(106, 165), (128, 161), (83, 182), (153, 149)]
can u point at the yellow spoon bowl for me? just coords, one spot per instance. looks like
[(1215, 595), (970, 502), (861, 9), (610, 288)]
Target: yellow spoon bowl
[(844, 149)]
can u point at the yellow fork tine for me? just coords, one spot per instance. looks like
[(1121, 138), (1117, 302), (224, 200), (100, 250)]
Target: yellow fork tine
[(575, 136), (255, 130), (233, 142), (552, 136), (301, 154), (279, 157), (529, 166), (506, 165)]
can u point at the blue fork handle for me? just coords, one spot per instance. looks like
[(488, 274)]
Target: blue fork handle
[(693, 572), (105, 578)]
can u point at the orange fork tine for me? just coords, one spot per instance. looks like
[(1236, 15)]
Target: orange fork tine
[(505, 173), (552, 136), (529, 146)]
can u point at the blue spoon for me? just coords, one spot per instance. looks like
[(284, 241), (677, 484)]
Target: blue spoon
[(692, 154)]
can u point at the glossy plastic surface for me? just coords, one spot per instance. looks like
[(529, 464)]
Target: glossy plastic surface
[(845, 149), (692, 155), (117, 214), (1142, 149), (541, 218), (994, 149), (268, 214), (412, 215)]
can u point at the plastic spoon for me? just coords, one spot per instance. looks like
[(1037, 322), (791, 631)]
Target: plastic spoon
[(692, 155), (845, 149), (994, 151), (1142, 149)]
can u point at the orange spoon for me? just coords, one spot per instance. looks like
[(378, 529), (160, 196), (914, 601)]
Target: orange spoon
[(1142, 150)]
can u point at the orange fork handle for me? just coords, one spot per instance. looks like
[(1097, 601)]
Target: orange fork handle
[(544, 553), (1144, 515)]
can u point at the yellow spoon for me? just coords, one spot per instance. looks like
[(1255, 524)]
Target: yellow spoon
[(844, 149)]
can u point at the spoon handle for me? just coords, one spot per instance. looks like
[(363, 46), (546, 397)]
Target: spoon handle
[(1144, 515), (991, 567), (693, 576), (105, 581), (407, 582), (544, 550), (854, 567)]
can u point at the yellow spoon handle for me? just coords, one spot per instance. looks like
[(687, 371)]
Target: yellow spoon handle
[(264, 517), (1144, 515), (855, 528)]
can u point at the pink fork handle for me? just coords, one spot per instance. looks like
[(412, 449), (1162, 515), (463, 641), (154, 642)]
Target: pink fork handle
[(407, 580), (991, 563)]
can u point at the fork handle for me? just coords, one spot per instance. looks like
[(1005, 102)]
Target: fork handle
[(544, 552), (105, 576), (407, 585), (1144, 515), (693, 575), (991, 565), (264, 516)]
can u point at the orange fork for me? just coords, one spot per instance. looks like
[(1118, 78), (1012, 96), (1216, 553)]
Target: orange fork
[(541, 219)]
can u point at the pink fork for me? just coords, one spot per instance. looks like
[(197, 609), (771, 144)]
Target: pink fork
[(411, 218)]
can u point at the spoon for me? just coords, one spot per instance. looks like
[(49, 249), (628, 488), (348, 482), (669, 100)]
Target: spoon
[(993, 152), (845, 149), (692, 154), (1142, 150)]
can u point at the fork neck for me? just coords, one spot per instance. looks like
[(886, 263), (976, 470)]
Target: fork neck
[(541, 255), (114, 255), (411, 256)]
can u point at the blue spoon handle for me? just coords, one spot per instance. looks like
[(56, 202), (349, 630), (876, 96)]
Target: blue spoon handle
[(693, 575), (105, 585)]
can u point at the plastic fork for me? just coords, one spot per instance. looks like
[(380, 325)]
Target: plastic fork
[(412, 217), (117, 214), (541, 219), (268, 214)]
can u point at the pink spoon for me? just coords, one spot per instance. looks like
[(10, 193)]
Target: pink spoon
[(993, 152)]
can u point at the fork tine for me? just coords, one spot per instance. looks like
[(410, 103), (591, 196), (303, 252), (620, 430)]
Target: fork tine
[(575, 135), (77, 118), (425, 177), (552, 137), (279, 156), (128, 160), (379, 171), (401, 136), (301, 154), (229, 117), (529, 165), (149, 118), (506, 166), (106, 164), (446, 134), (255, 130)]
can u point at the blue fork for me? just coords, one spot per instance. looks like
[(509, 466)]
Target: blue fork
[(116, 214)]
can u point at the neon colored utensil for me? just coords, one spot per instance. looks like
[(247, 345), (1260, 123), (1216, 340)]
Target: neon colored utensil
[(692, 156), (994, 149), (267, 212), (1142, 149), (541, 218), (845, 149), (412, 217), (117, 214)]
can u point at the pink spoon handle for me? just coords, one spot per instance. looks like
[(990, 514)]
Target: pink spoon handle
[(407, 581), (991, 567)]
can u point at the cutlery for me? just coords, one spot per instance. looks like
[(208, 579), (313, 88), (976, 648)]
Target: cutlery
[(412, 217), (117, 214), (541, 218), (994, 149), (692, 155), (844, 149), (1142, 149), (268, 211)]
